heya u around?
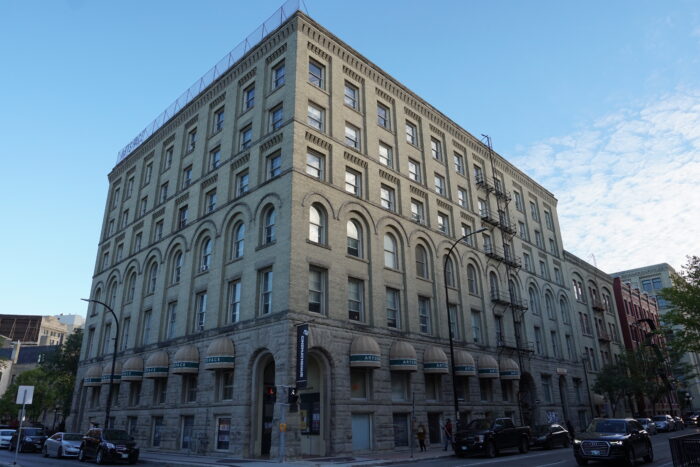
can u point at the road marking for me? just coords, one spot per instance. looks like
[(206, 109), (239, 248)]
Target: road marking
[(553, 463), (509, 459)]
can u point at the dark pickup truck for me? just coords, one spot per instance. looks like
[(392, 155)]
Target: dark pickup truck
[(489, 437)]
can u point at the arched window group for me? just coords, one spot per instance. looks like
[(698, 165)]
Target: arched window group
[(269, 226), (534, 301), (238, 240), (205, 256), (493, 285), (354, 239), (449, 272), (391, 255), (549, 305), (422, 265), (317, 224), (472, 280), (177, 267)]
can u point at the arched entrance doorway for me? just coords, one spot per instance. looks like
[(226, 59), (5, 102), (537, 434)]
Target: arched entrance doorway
[(313, 407), (266, 395), (527, 395)]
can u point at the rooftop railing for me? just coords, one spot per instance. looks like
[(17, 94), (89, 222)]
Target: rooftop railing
[(258, 35)]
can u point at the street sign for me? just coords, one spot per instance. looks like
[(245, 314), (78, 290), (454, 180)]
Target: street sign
[(25, 395)]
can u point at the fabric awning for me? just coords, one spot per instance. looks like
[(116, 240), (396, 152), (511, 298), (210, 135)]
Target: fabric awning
[(157, 365), (133, 369), (435, 361), (509, 369), (464, 364), (365, 353), (186, 360), (402, 357), (220, 355), (107, 372), (93, 376), (487, 367)]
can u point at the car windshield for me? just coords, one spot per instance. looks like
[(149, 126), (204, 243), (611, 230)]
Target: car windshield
[(116, 435), (7, 432), (660, 418), (479, 424), (32, 432), (643, 421), (72, 437), (541, 429), (607, 426)]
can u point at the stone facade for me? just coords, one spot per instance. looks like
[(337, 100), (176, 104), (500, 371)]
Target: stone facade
[(351, 190)]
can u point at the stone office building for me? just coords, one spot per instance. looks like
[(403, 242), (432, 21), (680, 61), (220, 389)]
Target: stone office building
[(306, 187)]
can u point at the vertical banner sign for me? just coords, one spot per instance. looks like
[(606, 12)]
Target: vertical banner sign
[(302, 350)]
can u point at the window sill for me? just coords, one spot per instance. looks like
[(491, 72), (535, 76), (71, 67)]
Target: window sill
[(321, 245), (266, 245), (357, 258)]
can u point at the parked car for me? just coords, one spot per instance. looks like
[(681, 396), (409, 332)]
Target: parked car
[(108, 445), (30, 439), (664, 422), (680, 425), (691, 418), (489, 437), (649, 425), (5, 437), (616, 439), (63, 445), (549, 436)]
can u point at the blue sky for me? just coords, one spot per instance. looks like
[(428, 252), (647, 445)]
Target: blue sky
[(599, 101)]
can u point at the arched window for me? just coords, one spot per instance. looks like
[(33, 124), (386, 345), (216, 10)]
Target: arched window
[(564, 308), (513, 290), (422, 262), (152, 277), (534, 301), (549, 306), (472, 280), (493, 285), (98, 297), (177, 267), (269, 233), (206, 254), (391, 259), (238, 240), (354, 235), (131, 287), (317, 224), (112, 296), (449, 272)]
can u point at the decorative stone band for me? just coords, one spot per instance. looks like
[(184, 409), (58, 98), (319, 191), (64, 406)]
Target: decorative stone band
[(403, 364), (184, 367), (156, 372), (435, 367), (117, 379), (92, 381), (465, 370), (365, 361), (132, 375), (219, 362), (510, 374), (488, 373)]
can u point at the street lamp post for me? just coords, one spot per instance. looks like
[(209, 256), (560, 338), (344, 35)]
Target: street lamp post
[(449, 320), (114, 357)]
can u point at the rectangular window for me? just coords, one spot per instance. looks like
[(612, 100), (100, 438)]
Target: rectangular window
[(523, 231), (518, 201), (386, 155), (424, 314), (223, 433), (359, 383), (265, 278), (440, 185), (393, 308), (144, 205), (485, 389), (314, 164), (411, 134), (147, 173), (443, 222), (569, 347), (538, 341), (548, 220), (249, 97), (125, 218), (400, 382), (356, 293), (317, 74), (539, 241), (454, 317), (417, 211), (352, 136), (134, 393), (168, 157), (478, 174), (383, 116), (218, 120), (137, 242), (388, 198), (157, 431), (120, 252), (246, 137), (544, 270), (462, 198), (107, 342), (547, 388), (436, 149), (317, 290), (278, 75), (172, 320), (187, 176), (164, 192), (467, 234), (534, 211), (315, 117), (129, 188), (201, 314), (274, 165), (351, 96), (191, 139), (186, 432), (215, 158), (226, 385), (459, 163), (555, 344), (558, 277), (432, 387), (126, 326), (182, 217), (234, 301), (353, 182), (242, 180), (553, 247), (276, 117), (414, 172), (189, 388)]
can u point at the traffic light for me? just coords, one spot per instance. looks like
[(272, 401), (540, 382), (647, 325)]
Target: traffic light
[(292, 398), (270, 394)]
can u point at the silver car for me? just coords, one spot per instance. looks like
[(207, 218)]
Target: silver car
[(664, 423), (648, 425), (5, 436), (63, 445)]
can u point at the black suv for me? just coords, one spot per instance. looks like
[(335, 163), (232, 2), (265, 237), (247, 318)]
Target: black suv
[(608, 439), (31, 439), (108, 445)]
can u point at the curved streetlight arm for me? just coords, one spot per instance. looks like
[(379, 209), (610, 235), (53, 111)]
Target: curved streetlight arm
[(449, 320), (114, 357)]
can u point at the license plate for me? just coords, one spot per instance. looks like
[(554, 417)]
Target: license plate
[(464, 448), (125, 455), (595, 453)]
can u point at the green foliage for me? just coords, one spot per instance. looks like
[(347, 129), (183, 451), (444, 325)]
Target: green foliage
[(61, 367), (684, 318)]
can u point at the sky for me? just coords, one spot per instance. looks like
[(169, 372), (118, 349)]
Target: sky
[(598, 101)]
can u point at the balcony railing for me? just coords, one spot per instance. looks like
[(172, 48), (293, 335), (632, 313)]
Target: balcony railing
[(512, 260), (509, 344), (484, 183), (597, 304), (486, 216), (493, 252), (501, 193), (507, 226), (504, 298), (603, 336)]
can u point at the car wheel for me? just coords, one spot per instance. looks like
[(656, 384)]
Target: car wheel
[(100, 458), (490, 450), (45, 451), (580, 461), (631, 457), (81, 455), (59, 452), (649, 458), (524, 446)]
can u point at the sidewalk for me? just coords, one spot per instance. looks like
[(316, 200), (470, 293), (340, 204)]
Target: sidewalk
[(383, 458)]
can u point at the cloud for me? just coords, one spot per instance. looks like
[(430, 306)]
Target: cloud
[(628, 185)]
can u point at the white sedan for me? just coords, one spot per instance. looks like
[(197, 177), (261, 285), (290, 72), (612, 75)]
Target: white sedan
[(5, 436), (63, 445)]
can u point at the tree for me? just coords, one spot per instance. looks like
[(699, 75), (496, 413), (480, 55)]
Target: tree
[(684, 317), (61, 367), (614, 381)]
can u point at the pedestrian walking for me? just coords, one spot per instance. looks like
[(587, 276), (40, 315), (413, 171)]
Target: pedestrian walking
[(420, 434), (447, 432)]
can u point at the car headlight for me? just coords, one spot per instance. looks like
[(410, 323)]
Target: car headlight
[(109, 445), (479, 438), (577, 441), (27, 439), (616, 443), (541, 438)]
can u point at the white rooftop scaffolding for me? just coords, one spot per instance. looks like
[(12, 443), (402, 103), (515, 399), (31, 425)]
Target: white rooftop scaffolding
[(261, 32)]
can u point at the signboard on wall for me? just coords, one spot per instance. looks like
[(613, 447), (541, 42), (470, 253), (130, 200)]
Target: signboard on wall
[(302, 351)]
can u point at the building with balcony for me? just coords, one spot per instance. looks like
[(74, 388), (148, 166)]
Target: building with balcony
[(288, 227)]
